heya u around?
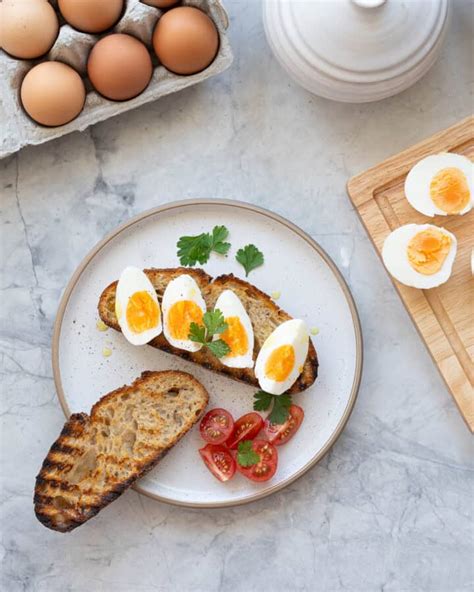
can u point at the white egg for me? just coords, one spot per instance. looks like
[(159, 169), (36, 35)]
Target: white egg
[(445, 170), (239, 335), (281, 359), (136, 307), (182, 305), (396, 259)]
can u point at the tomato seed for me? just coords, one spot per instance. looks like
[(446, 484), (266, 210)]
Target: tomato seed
[(213, 433)]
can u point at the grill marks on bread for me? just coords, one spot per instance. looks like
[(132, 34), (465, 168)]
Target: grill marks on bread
[(97, 457)]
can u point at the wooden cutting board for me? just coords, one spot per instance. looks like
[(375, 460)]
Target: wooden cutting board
[(444, 316)]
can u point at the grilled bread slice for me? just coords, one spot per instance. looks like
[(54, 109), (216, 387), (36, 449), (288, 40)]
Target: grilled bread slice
[(98, 456), (264, 314)]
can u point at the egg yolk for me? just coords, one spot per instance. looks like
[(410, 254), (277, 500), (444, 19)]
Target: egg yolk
[(449, 190), (142, 312), (236, 337), (180, 317), (280, 363), (427, 251)]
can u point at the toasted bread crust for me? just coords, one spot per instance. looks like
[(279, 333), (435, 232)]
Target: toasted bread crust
[(263, 311), (68, 492)]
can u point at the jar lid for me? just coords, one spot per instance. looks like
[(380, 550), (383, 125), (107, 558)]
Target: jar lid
[(354, 42)]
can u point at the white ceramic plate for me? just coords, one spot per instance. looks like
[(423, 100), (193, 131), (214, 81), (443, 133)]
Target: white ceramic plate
[(311, 288)]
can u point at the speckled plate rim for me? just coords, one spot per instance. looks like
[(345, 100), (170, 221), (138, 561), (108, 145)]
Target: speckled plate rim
[(191, 203)]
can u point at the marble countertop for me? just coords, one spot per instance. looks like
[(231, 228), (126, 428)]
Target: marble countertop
[(390, 507)]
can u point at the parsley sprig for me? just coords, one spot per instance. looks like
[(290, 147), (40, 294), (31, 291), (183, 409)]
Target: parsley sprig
[(250, 257), (197, 249), (280, 405), (214, 324), (246, 455)]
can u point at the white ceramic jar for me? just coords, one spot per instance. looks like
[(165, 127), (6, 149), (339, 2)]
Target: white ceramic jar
[(356, 51)]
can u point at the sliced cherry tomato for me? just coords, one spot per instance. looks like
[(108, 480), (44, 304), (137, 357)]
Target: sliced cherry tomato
[(279, 434), (216, 426), (267, 465), (245, 428), (219, 461)]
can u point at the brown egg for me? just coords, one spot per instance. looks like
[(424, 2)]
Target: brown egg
[(29, 27), (91, 16), (185, 40), (161, 3), (119, 67), (52, 93)]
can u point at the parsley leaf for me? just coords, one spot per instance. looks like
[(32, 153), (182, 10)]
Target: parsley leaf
[(246, 455), (219, 234), (280, 406), (214, 324), (194, 249), (219, 348), (197, 249), (250, 258), (280, 410), (197, 333), (262, 401)]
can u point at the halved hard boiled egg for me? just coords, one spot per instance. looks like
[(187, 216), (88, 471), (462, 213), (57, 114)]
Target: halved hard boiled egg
[(182, 305), (441, 184), (282, 357), (136, 307), (239, 333), (420, 255)]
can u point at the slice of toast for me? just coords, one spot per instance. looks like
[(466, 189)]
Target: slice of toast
[(98, 456), (264, 314)]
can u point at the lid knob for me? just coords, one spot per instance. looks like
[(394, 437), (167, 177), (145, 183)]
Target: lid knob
[(369, 3)]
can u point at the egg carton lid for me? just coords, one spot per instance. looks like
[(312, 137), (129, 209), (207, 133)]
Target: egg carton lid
[(72, 47)]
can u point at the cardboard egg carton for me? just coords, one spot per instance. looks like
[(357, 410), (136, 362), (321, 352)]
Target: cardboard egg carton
[(72, 47)]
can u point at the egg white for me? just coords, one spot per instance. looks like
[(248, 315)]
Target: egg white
[(230, 306), (395, 257), (134, 280), (293, 332), (417, 183), (184, 287)]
